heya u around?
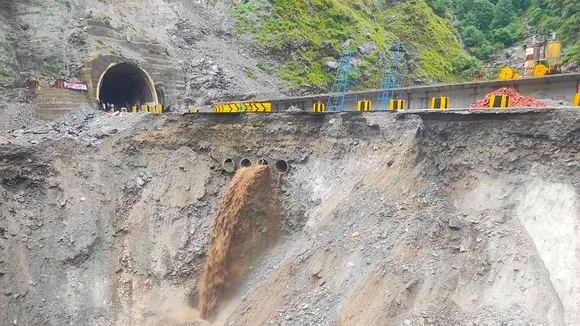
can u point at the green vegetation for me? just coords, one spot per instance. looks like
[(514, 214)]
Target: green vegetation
[(262, 66), (153, 51), (307, 34), (3, 71), (250, 73), (489, 25)]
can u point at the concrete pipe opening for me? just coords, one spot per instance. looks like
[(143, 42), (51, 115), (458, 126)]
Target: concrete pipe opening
[(282, 167), (229, 165), (263, 161), (124, 84), (245, 163)]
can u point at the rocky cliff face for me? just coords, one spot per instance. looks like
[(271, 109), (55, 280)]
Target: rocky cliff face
[(105, 220), (187, 46)]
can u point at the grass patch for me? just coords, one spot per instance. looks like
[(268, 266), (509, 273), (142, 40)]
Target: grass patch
[(306, 34), (250, 73)]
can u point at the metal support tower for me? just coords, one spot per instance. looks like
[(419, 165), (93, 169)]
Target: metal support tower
[(393, 76), (341, 83)]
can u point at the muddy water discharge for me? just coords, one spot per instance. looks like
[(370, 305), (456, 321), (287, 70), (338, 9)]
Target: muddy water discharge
[(242, 190)]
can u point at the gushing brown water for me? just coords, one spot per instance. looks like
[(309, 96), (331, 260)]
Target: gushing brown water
[(241, 191)]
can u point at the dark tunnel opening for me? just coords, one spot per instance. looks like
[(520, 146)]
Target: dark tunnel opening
[(125, 85)]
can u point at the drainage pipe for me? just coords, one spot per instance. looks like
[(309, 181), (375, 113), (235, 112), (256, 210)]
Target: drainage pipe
[(245, 163), (282, 166), (229, 165)]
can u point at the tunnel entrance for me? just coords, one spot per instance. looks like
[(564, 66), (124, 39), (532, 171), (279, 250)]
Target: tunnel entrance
[(124, 84)]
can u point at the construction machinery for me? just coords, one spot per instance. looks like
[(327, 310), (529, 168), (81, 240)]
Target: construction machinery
[(542, 58)]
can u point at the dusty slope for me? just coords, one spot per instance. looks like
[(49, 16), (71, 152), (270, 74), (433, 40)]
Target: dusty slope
[(51, 40), (105, 220)]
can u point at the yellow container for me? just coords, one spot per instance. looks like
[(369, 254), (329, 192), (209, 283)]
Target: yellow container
[(553, 52)]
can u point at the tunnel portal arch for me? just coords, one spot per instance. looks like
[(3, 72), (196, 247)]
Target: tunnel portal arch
[(125, 84)]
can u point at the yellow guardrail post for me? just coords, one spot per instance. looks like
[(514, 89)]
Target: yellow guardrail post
[(397, 105), (364, 105), (499, 101), (319, 107), (441, 103)]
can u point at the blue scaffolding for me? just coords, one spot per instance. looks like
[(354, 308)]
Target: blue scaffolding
[(393, 77), (341, 84)]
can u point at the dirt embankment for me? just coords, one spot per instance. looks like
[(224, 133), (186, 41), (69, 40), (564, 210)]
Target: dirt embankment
[(384, 220)]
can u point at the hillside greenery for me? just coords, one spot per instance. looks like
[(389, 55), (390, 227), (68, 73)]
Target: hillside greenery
[(305, 35), (489, 25)]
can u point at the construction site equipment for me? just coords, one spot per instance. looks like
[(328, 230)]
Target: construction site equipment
[(318, 107), (540, 70), (441, 103), (364, 105), (393, 76), (341, 84), (397, 105), (506, 73), (542, 58), (499, 101)]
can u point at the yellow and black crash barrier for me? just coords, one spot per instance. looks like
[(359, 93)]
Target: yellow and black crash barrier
[(396, 105), (257, 107), (364, 105), (577, 100), (227, 108), (135, 109), (441, 103), (194, 110), (499, 101), (145, 108), (319, 107)]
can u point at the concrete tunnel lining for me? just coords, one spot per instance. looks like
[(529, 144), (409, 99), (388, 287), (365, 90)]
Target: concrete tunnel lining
[(126, 84)]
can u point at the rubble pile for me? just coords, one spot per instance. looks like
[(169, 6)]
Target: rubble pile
[(516, 99)]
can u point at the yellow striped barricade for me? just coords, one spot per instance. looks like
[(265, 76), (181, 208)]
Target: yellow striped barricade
[(577, 100), (364, 105), (397, 105), (257, 107), (230, 108), (319, 107), (145, 108), (160, 108), (441, 103), (499, 101), (135, 109)]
